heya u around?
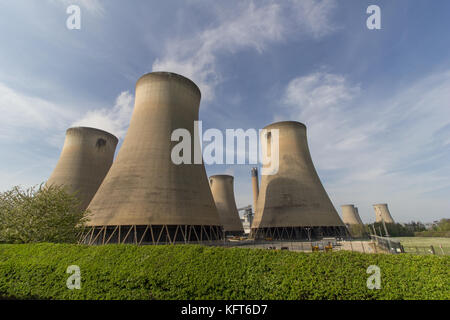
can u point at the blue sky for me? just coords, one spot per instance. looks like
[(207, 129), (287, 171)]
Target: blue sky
[(376, 102)]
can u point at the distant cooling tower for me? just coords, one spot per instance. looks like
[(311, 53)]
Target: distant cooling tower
[(146, 198), (382, 213), (223, 194), (85, 159), (292, 204), (350, 214), (358, 216)]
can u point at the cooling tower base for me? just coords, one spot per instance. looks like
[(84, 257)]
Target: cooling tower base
[(234, 233), (299, 233), (150, 234)]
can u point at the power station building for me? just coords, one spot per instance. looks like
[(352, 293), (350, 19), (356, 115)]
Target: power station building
[(382, 213), (350, 215), (292, 203), (146, 198), (85, 159), (222, 188)]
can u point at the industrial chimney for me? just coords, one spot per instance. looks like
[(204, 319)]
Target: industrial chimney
[(382, 213), (292, 203), (350, 214), (85, 159), (146, 198), (223, 193), (255, 187)]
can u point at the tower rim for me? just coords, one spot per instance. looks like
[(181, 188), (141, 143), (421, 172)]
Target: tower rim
[(286, 123), (85, 128), (171, 74)]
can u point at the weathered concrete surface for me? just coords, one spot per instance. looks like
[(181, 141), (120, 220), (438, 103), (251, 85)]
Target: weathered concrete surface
[(223, 193), (382, 213), (85, 159), (144, 186), (350, 214), (294, 196)]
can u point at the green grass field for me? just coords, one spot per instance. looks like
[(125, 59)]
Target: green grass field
[(410, 244)]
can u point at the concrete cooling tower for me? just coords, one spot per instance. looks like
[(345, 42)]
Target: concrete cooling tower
[(382, 213), (223, 193), (145, 197), (85, 159), (350, 214), (292, 203), (358, 216)]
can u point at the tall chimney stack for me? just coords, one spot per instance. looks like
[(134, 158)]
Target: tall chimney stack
[(255, 187)]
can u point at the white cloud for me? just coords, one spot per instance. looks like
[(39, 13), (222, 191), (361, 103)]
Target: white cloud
[(254, 26), (21, 114), (314, 16), (115, 120), (387, 150)]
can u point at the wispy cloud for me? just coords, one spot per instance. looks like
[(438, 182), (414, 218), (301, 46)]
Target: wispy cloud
[(255, 26), (114, 120), (23, 115)]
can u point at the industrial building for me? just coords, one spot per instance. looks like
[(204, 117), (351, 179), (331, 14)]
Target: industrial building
[(382, 213), (146, 198), (222, 188), (292, 203), (350, 215), (85, 159)]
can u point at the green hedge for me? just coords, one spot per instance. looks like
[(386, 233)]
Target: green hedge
[(199, 272)]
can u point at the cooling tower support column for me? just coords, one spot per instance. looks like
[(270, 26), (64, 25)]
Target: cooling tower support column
[(223, 194), (292, 203), (85, 159), (145, 197), (255, 187)]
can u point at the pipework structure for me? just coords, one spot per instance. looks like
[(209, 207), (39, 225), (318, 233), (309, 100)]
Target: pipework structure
[(292, 203), (222, 188), (85, 159), (382, 213), (145, 197)]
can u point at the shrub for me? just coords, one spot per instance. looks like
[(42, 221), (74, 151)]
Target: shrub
[(39, 214), (199, 272)]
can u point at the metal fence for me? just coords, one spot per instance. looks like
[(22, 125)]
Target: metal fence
[(423, 250), (387, 244)]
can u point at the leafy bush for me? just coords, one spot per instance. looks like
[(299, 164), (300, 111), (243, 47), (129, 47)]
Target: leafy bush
[(441, 229), (39, 214), (199, 272)]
